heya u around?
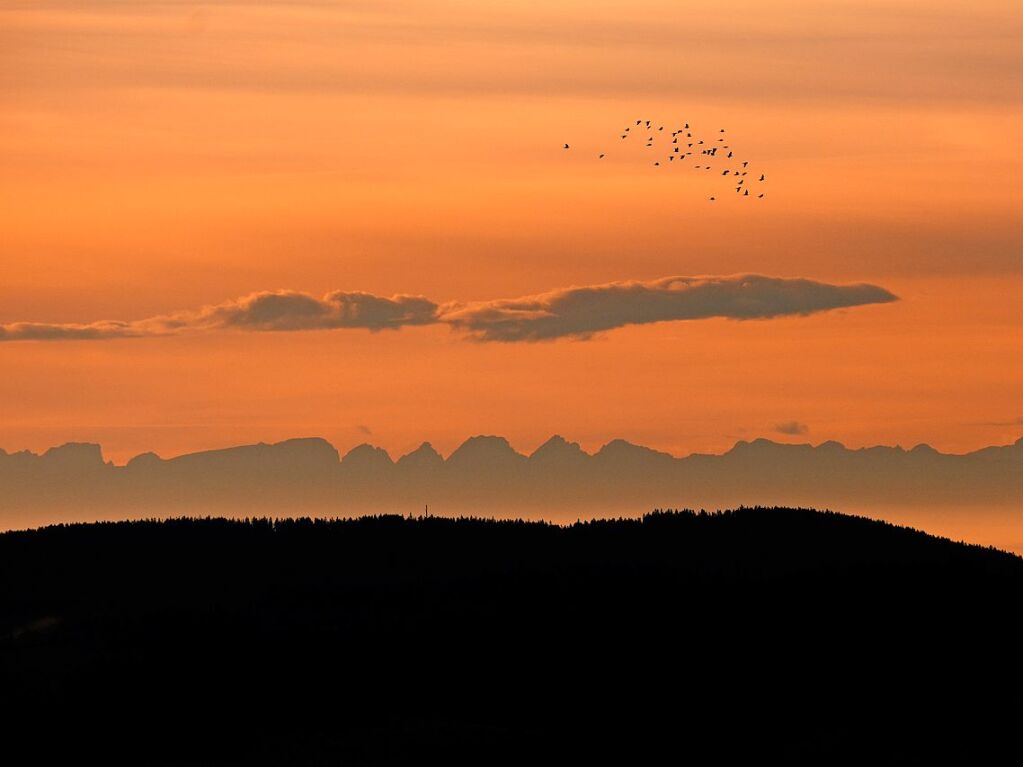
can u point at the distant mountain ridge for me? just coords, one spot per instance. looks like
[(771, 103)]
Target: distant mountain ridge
[(486, 475)]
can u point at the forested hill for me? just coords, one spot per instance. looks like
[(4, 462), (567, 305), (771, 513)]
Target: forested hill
[(760, 632)]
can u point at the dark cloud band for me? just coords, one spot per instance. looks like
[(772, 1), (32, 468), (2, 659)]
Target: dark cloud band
[(576, 312), (583, 311)]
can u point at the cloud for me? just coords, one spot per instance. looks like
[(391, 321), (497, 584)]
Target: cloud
[(279, 310), (791, 427), (577, 312), (45, 331), (291, 310), (580, 312), (1017, 421)]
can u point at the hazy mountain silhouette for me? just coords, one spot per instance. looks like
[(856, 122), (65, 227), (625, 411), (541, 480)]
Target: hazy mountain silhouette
[(761, 635), (557, 481)]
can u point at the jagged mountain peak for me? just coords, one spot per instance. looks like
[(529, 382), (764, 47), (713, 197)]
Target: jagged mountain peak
[(85, 455), (620, 448), (423, 456), (145, 460), (557, 447), (485, 447), (366, 456)]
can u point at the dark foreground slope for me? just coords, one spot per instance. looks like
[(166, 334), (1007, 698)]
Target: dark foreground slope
[(759, 634)]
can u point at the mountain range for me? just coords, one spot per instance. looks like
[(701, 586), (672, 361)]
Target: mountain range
[(486, 476)]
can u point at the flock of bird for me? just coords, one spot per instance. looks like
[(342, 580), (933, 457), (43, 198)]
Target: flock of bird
[(715, 155)]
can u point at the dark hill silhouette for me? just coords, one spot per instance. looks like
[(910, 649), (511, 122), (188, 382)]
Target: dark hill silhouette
[(558, 480), (755, 636)]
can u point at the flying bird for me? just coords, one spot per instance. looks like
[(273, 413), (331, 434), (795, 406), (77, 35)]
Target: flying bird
[(706, 151)]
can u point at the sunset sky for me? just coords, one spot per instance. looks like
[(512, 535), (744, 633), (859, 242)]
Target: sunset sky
[(161, 157)]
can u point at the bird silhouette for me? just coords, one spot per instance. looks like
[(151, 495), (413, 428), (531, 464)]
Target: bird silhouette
[(761, 177), (600, 157), (566, 146)]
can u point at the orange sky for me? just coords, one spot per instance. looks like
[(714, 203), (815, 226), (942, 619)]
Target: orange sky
[(164, 156)]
